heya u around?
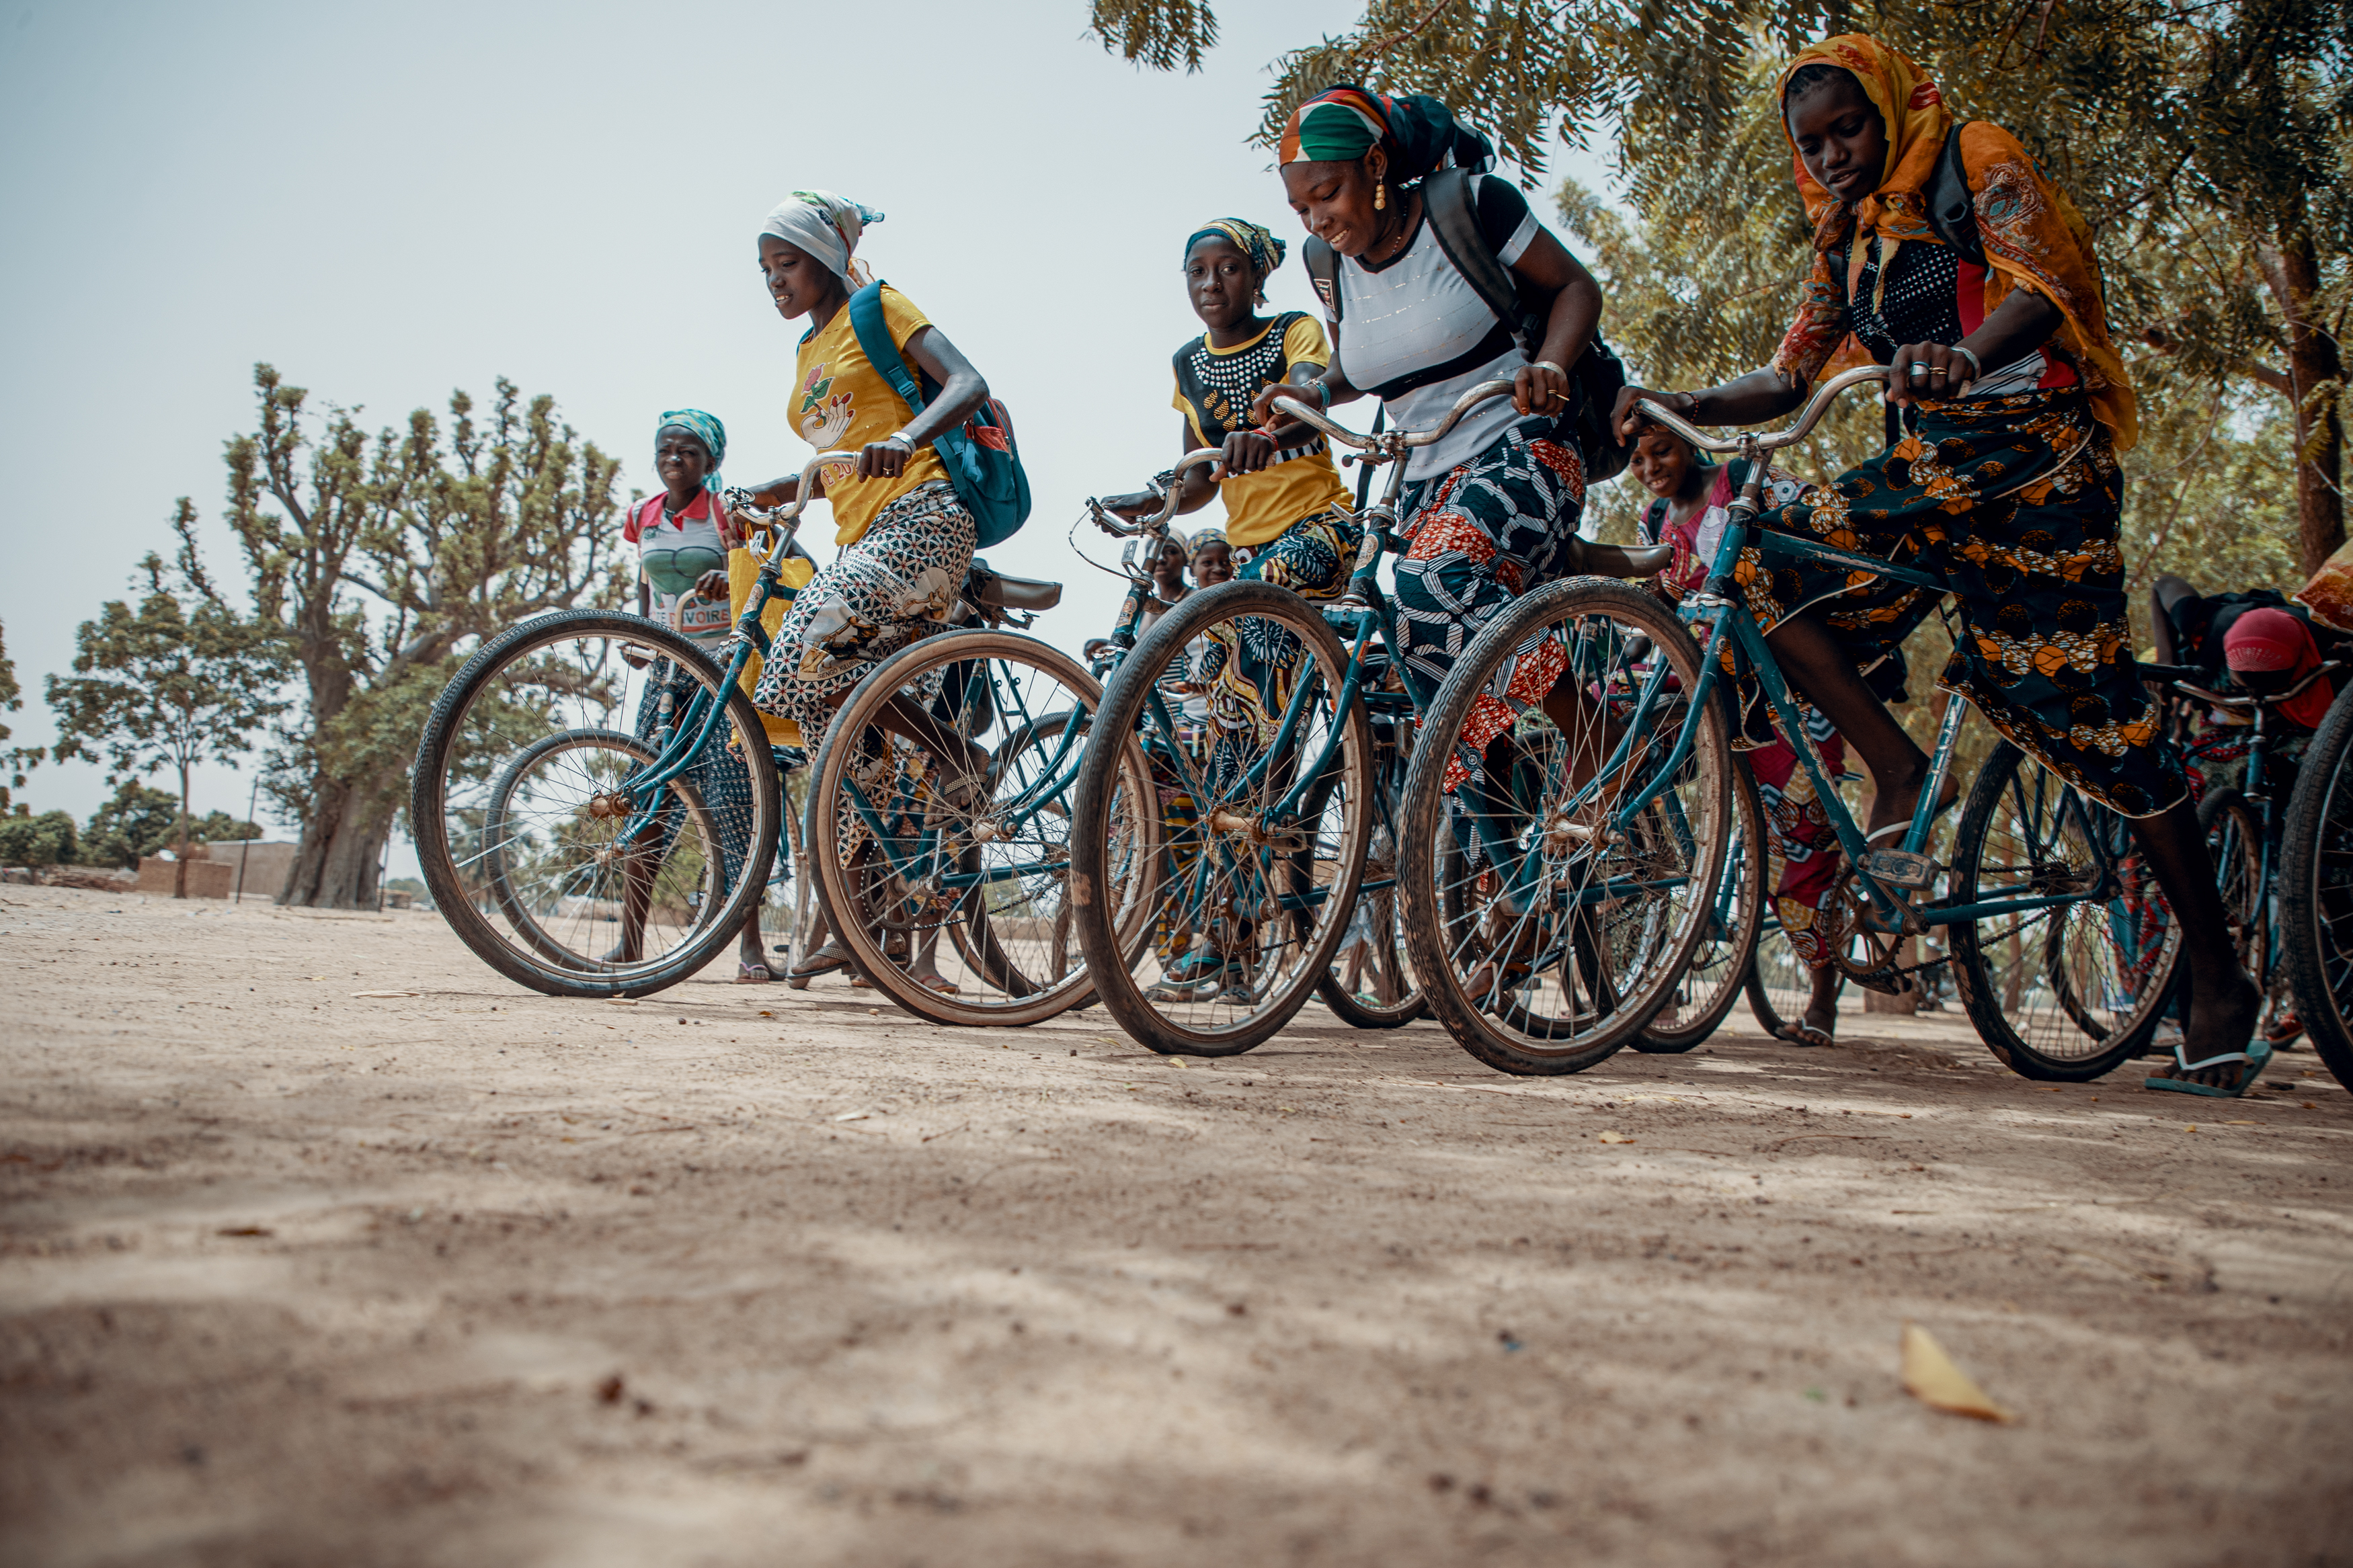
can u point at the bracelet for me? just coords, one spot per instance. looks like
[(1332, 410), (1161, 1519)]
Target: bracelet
[(1323, 395), (1977, 371), (900, 437), (1547, 365)]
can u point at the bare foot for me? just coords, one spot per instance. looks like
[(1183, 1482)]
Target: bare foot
[(1896, 803)]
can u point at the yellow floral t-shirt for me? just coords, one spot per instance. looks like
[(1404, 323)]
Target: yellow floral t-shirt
[(840, 403)]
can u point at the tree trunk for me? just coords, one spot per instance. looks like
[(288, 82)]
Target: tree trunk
[(2314, 361), (180, 867), (342, 851)]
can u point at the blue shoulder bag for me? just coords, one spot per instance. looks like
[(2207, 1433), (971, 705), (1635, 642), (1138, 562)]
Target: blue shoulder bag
[(980, 457)]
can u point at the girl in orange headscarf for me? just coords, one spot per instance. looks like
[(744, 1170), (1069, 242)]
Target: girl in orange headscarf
[(1947, 255)]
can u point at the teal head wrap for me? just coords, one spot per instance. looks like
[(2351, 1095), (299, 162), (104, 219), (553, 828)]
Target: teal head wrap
[(1259, 246), (705, 428)]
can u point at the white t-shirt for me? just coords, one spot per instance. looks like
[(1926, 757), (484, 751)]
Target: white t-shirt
[(672, 555), (1416, 313)]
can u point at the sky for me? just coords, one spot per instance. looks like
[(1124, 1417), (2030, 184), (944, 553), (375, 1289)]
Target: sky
[(387, 203)]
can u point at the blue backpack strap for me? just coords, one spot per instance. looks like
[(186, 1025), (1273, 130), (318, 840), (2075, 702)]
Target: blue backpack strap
[(874, 343)]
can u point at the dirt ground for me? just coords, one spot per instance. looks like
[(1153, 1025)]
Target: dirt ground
[(746, 1275)]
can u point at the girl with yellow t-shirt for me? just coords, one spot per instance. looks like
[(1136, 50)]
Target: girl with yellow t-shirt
[(895, 512), (1291, 514)]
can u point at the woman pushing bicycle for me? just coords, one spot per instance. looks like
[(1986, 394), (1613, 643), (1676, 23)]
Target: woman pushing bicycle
[(1491, 510), (896, 516), (1948, 256)]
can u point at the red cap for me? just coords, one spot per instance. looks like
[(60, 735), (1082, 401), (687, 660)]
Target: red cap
[(2269, 639)]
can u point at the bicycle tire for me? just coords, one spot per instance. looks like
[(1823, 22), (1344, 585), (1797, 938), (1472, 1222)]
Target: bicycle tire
[(1018, 999), (1256, 879), (1726, 957), (2316, 891), (2108, 986), (440, 747), (1391, 968), (1624, 970)]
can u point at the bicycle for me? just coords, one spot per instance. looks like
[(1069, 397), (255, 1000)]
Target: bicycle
[(542, 823), (2313, 883), (1264, 866), (1622, 817)]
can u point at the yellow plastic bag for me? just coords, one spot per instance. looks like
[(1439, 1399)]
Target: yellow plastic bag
[(743, 570)]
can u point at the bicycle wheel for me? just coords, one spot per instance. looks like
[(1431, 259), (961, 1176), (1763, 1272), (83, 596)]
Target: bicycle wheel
[(1264, 839), (2316, 891), (953, 898), (2065, 992), (1726, 953), (1370, 983), (1548, 934), (545, 853)]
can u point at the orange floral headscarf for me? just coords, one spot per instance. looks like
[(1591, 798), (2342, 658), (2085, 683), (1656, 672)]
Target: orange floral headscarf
[(2033, 236)]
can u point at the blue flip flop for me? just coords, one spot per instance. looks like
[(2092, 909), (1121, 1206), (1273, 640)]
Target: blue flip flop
[(2257, 1056)]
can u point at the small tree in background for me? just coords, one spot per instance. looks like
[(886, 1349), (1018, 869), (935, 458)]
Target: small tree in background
[(142, 820), (44, 840), (180, 679), (16, 759)]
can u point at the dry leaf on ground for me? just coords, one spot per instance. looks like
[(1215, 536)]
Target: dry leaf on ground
[(1930, 1377), (1615, 1137), (384, 992)]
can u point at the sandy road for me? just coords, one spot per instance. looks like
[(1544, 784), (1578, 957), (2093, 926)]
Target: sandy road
[(475, 1276)]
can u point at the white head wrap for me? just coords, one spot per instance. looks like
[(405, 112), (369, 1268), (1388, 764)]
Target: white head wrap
[(827, 226)]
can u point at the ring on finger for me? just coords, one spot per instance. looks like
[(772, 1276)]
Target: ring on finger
[(1920, 367)]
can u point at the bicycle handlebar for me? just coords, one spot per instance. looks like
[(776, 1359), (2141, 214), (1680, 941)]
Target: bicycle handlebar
[(1809, 416), (1464, 404), (790, 512), (1110, 521)]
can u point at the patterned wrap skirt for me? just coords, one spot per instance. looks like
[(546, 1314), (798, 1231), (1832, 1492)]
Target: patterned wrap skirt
[(872, 579), (2017, 501), (1483, 533)]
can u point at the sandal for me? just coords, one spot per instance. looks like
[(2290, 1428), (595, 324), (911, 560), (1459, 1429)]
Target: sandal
[(1797, 1032), (752, 973), (1196, 977), (2257, 1056), (817, 961), (939, 982)]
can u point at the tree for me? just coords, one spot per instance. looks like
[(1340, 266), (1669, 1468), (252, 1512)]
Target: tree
[(2209, 146), (142, 820), (44, 840), (379, 560), (17, 759), (180, 679)]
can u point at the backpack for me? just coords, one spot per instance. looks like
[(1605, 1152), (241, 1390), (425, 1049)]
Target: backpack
[(980, 457), (1598, 374)]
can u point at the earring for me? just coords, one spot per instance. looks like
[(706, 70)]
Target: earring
[(1380, 194)]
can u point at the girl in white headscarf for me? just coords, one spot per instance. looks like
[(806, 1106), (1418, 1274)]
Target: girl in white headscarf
[(897, 519), (895, 512)]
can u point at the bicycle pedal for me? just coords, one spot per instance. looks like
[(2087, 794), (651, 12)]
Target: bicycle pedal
[(1901, 869)]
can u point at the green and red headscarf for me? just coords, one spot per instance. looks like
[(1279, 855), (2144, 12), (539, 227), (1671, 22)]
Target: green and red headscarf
[(1345, 122)]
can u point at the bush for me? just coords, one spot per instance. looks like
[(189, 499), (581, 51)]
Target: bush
[(44, 840)]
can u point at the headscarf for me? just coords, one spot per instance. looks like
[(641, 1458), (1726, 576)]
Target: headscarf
[(1265, 252), (705, 428), (2033, 236), (827, 226), (2269, 641), (1200, 540), (1346, 121)]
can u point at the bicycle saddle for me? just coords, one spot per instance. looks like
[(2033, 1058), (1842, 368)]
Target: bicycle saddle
[(995, 591), (1587, 558)]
